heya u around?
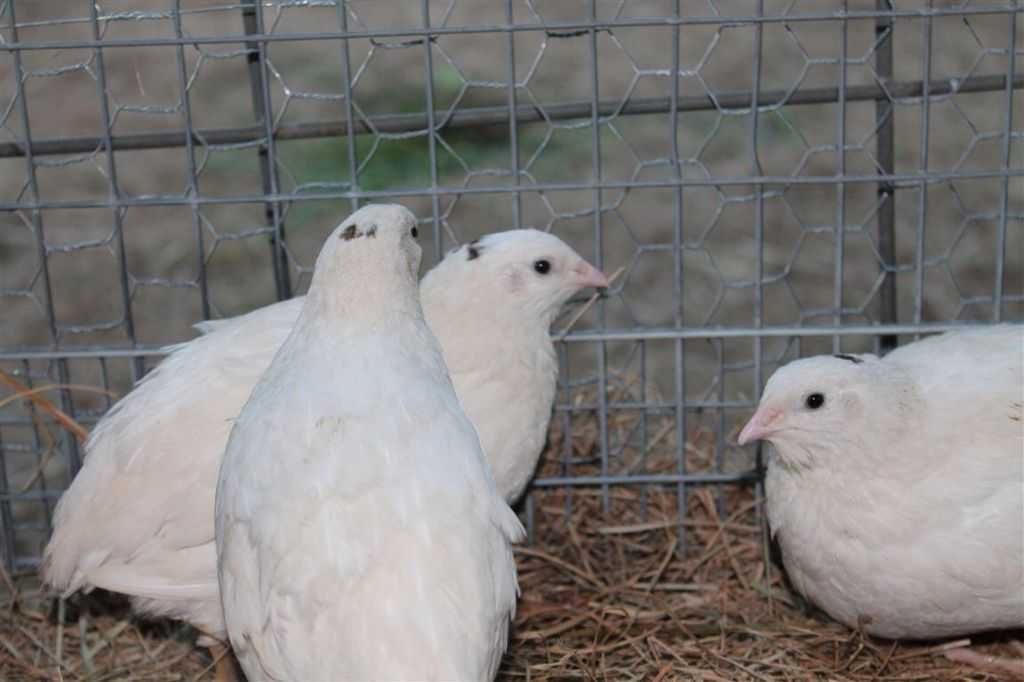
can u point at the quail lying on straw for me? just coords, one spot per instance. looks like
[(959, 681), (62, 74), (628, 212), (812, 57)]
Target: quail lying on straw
[(896, 489)]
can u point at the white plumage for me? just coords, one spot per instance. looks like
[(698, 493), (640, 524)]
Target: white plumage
[(897, 486), (359, 533), (138, 517)]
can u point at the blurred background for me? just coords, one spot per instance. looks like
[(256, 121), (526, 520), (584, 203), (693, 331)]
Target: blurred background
[(880, 179)]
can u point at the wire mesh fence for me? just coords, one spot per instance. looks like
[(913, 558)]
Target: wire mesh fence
[(769, 179)]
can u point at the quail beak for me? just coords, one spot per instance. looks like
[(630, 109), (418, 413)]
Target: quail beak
[(760, 425), (586, 275)]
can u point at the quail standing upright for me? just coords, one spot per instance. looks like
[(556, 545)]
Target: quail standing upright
[(138, 517), (359, 532)]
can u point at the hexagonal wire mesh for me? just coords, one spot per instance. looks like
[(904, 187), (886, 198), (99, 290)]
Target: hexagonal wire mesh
[(769, 178)]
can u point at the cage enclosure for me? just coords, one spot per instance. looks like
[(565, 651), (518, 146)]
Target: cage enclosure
[(765, 179)]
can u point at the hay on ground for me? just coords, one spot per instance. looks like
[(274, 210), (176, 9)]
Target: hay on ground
[(606, 595)]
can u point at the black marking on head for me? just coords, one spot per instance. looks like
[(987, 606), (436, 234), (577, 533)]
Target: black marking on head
[(352, 232), (852, 358), (473, 250)]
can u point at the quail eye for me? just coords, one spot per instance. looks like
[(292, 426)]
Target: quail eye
[(814, 401), (542, 266), (415, 233)]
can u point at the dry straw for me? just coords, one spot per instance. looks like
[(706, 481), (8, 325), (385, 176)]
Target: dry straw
[(605, 596)]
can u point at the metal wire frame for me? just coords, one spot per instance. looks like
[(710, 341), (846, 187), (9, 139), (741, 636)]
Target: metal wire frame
[(554, 29), (470, 117), (906, 180), (885, 150), (752, 103)]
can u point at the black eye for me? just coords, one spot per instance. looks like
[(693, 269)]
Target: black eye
[(814, 401), (415, 233), (542, 266)]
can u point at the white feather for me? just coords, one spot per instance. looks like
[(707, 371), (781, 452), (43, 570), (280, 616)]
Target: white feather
[(359, 532), (138, 518), (900, 502)]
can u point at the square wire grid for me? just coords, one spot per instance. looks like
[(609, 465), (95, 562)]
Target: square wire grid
[(771, 179)]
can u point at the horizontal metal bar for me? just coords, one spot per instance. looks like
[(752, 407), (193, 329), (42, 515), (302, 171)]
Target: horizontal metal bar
[(640, 479), (84, 353), (626, 479), (648, 334), (498, 116), (34, 495), (548, 28), (652, 409), (667, 334), (915, 179), (36, 526), (8, 446), (656, 407)]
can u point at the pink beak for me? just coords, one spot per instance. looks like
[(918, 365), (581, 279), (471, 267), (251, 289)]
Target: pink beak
[(760, 425), (589, 276)]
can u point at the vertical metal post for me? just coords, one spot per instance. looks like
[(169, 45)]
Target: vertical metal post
[(252, 19), (758, 170), (115, 190), (595, 140), (720, 442), (643, 423), (70, 445), (678, 286), (513, 125), (428, 68), (565, 369), (37, 447), (885, 146), (350, 112), (192, 179), (105, 379), (925, 132), (8, 545), (840, 231), (1004, 203)]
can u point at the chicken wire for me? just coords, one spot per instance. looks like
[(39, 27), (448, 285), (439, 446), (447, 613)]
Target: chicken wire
[(769, 179)]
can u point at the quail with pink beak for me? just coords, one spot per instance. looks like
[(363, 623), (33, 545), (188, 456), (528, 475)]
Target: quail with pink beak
[(896, 484), (138, 518)]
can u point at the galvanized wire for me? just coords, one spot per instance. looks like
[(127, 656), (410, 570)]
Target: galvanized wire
[(671, 160), (472, 117)]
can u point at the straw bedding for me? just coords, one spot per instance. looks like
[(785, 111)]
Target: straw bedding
[(607, 594)]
